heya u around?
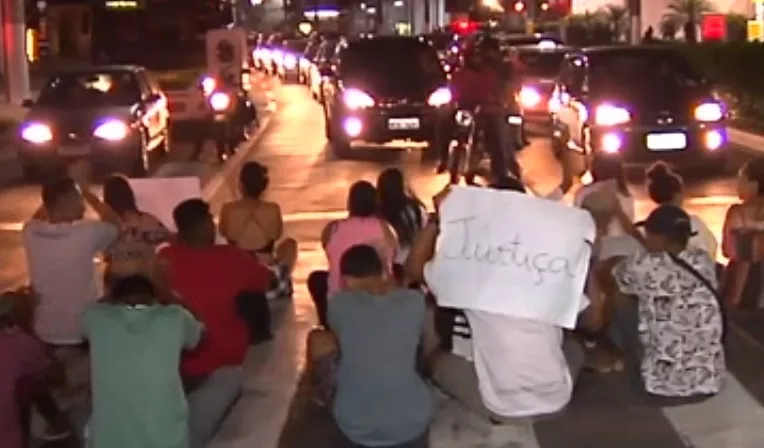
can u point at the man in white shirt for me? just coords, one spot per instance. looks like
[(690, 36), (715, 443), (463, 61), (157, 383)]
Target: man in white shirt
[(518, 368), (60, 247)]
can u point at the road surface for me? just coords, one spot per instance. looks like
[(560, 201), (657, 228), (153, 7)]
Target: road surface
[(310, 184)]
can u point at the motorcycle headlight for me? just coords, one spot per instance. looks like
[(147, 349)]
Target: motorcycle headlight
[(709, 112), (290, 61), (219, 101), (37, 133), (529, 97), (112, 130), (357, 99), (440, 97), (609, 115), (464, 118), (208, 85)]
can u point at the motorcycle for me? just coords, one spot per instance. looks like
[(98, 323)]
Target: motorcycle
[(468, 145), (233, 116)]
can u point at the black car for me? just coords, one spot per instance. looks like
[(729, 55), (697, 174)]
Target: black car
[(539, 69), (640, 104), (387, 88), (114, 116)]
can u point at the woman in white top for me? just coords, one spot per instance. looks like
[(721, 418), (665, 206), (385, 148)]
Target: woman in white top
[(609, 173), (664, 186)]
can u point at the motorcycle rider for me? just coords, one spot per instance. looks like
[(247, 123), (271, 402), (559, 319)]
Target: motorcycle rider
[(479, 83)]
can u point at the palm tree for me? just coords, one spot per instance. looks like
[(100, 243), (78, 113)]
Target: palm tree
[(668, 28), (617, 17), (688, 14)]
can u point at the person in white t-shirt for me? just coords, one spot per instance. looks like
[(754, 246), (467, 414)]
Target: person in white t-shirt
[(664, 186), (517, 368), (60, 248)]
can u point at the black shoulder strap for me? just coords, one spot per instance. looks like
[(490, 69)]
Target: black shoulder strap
[(688, 267)]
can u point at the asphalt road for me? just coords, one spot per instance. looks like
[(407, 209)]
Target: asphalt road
[(310, 184)]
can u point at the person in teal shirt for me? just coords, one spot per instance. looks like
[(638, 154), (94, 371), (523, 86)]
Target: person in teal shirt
[(135, 347)]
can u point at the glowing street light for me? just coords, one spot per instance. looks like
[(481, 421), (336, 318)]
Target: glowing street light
[(519, 6)]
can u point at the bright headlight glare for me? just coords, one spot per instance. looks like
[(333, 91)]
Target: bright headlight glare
[(290, 61), (112, 130), (37, 133), (464, 118), (529, 97), (609, 115), (208, 84), (357, 99), (440, 97), (709, 112), (220, 101)]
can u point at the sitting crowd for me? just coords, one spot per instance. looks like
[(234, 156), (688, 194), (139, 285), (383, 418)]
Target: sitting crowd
[(148, 351)]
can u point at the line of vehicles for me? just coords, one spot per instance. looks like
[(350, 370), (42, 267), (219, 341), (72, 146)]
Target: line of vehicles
[(636, 103)]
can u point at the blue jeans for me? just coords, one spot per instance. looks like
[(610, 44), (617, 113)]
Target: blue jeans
[(210, 402)]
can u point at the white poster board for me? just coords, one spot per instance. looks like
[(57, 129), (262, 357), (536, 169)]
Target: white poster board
[(160, 195), (513, 254)]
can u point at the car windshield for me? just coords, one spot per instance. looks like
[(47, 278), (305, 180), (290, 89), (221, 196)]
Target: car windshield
[(543, 64), (642, 70), (90, 89), (403, 62)]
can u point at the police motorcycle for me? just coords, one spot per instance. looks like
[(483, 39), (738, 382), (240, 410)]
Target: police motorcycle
[(227, 92)]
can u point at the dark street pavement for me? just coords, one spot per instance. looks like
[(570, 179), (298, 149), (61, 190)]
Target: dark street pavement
[(310, 184)]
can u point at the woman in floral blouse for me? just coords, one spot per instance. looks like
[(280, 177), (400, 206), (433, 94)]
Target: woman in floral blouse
[(672, 327)]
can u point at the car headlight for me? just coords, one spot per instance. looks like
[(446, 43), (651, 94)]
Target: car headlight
[(529, 97), (357, 99), (112, 130), (219, 101), (277, 56), (439, 97), (37, 133), (464, 118), (609, 115), (709, 112), (290, 61), (208, 85)]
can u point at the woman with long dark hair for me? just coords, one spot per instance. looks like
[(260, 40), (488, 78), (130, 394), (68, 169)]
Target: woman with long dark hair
[(401, 209), (141, 232)]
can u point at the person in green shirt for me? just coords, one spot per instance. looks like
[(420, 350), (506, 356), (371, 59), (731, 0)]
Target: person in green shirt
[(136, 341)]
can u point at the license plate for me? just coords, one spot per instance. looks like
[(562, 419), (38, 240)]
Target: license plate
[(74, 150), (666, 141), (402, 124)]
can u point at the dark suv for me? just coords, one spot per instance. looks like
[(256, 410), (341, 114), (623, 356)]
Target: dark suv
[(640, 104), (387, 88)]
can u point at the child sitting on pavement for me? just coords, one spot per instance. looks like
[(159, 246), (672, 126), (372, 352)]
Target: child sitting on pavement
[(25, 375), (136, 344)]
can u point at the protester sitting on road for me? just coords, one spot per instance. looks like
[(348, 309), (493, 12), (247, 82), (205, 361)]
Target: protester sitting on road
[(362, 226), (671, 327), (136, 344), (519, 368), (664, 186), (141, 233), (25, 376), (743, 240), (211, 280), (381, 398), (60, 247), (609, 173), (401, 209), (256, 225)]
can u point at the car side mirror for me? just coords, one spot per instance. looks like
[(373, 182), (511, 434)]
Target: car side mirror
[(27, 103)]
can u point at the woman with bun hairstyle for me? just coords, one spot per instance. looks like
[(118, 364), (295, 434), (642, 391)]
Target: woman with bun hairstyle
[(609, 173), (664, 186)]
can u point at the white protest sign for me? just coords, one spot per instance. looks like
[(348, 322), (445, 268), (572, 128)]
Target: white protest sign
[(160, 195), (513, 254)]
